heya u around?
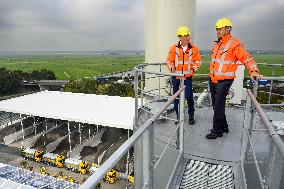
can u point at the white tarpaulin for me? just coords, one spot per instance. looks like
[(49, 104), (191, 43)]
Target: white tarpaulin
[(112, 111)]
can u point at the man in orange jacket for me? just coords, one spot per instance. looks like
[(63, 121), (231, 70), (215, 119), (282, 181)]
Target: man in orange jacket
[(225, 54), (184, 58)]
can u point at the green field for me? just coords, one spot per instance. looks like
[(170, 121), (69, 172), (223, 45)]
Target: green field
[(74, 66), (79, 66)]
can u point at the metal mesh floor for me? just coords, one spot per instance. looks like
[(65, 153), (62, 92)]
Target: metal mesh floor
[(200, 175)]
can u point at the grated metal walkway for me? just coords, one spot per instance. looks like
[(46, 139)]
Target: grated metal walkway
[(199, 175)]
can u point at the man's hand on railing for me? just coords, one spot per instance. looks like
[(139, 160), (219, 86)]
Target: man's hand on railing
[(255, 76)]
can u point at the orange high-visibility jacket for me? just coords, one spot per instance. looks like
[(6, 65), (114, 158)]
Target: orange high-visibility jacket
[(225, 56), (185, 63)]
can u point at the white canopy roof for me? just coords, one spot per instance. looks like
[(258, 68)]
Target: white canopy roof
[(112, 111)]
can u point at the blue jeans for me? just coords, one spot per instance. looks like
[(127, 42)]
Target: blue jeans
[(188, 94)]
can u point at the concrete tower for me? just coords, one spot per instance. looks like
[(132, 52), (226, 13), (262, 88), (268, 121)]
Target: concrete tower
[(162, 18)]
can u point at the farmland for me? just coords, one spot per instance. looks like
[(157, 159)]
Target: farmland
[(75, 66)]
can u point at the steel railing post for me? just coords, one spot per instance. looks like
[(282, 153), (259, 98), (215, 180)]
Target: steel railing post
[(138, 147), (271, 84), (252, 117), (148, 158), (181, 115)]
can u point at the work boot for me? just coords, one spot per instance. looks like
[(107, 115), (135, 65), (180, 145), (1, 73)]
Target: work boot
[(213, 135), (191, 120), (226, 130)]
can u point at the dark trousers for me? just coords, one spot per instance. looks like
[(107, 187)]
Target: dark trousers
[(219, 92), (188, 94)]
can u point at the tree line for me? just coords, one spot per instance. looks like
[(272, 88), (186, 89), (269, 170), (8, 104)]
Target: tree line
[(90, 86), (11, 80)]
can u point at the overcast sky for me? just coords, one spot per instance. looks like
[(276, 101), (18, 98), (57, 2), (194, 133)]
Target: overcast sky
[(32, 25)]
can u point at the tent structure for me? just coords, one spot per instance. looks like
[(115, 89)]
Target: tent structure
[(111, 111)]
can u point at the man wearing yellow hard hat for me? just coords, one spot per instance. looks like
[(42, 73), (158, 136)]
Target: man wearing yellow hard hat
[(226, 52), (184, 58)]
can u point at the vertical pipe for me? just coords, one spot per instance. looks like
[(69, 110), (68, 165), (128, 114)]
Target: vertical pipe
[(22, 127), (271, 164), (159, 83), (271, 84), (97, 128), (89, 131), (148, 157), (253, 111), (181, 116), (127, 160), (11, 118), (45, 122), (80, 133), (142, 87), (136, 97), (138, 147), (255, 87), (35, 125), (69, 136)]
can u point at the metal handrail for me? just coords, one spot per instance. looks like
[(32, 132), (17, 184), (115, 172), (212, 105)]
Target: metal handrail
[(267, 64), (122, 150), (138, 68), (274, 78), (271, 131)]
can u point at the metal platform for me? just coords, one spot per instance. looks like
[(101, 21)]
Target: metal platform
[(222, 150), (202, 157)]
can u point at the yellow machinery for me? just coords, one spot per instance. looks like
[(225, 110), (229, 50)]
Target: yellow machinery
[(59, 161), (33, 154), (76, 165), (61, 176), (38, 156), (131, 179), (49, 159), (42, 170), (72, 179), (72, 164), (83, 167), (111, 176), (54, 174)]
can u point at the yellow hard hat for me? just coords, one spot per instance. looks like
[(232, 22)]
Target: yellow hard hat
[(182, 31), (223, 22)]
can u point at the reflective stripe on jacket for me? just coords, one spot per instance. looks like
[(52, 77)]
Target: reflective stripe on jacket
[(185, 63), (225, 56)]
